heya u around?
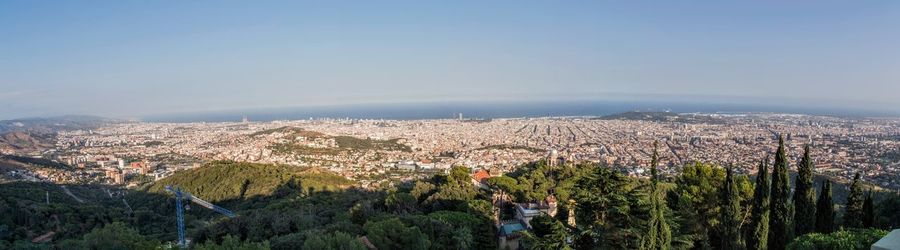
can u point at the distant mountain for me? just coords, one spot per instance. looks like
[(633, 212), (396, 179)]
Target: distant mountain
[(53, 124), (658, 116), (641, 115), (26, 142), (35, 135)]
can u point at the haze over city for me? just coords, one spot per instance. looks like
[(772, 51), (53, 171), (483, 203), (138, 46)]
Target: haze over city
[(133, 59)]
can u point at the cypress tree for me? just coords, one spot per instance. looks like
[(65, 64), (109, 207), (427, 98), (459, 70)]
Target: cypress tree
[(780, 219), (854, 208), (730, 221), (868, 219), (825, 210), (804, 197), (758, 232), (659, 235)]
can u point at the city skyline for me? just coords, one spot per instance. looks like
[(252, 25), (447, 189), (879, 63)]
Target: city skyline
[(137, 59)]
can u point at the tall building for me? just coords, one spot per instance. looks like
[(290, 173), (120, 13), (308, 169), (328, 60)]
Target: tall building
[(245, 119), (553, 158)]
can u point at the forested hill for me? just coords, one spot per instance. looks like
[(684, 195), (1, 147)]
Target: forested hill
[(225, 180)]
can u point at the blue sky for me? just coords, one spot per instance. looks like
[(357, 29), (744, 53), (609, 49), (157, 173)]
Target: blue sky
[(133, 58)]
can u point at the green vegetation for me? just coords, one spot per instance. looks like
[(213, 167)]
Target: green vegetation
[(854, 206), (804, 196), (781, 229), (859, 239), (548, 234), (233, 243), (344, 143), (731, 216), (115, 235), (758, 230), (349, 142), (288, 130), (888, 212), (825, 210), (35, 161), (224, 180), (660, 234), (868, 219)]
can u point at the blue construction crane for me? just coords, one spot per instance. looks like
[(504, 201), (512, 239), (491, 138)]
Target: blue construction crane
[(179, 210)]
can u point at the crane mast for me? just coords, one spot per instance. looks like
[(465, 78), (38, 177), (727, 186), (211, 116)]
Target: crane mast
[(179, 210)]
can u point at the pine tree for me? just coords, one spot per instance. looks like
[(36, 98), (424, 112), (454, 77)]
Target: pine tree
[(868, 218), (854, 208), (608, 206), (758, 232), (730, 221), (804, 197), (547, 233), (825, 210), (780, 219), (659, 235)]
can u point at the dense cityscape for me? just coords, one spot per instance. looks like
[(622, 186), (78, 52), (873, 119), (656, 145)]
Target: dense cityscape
[(841, 146)]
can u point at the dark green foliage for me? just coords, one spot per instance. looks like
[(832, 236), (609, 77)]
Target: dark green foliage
[(825, 210), (454, 193), (333, 241), (344, 143), (888, 211), (868, 218), (853, 214), (422, 190), (854, 239), (401, 203), (233, 243), (116, 236), (607, 208), (224, 180), (731, 217), (804, 196), (758, 230), (504, 183), (538, 180), (26, 214), (394, 234), (780, 219), (370, 144), (547, 233), (696, 202), (468, 231), (288, 241), (659, 235)]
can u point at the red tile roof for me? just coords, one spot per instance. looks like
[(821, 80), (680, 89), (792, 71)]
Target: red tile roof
[(481, 175)]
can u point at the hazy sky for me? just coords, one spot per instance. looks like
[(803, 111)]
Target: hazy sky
[(131, 58)]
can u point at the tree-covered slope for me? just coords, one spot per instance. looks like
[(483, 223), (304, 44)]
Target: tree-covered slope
[(218, 181)]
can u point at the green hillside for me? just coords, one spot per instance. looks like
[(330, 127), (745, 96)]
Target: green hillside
[(222, 180)]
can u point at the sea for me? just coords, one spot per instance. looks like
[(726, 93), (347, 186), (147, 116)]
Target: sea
[(494, 110)]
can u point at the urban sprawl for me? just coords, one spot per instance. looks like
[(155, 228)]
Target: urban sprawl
[(376, 152)]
